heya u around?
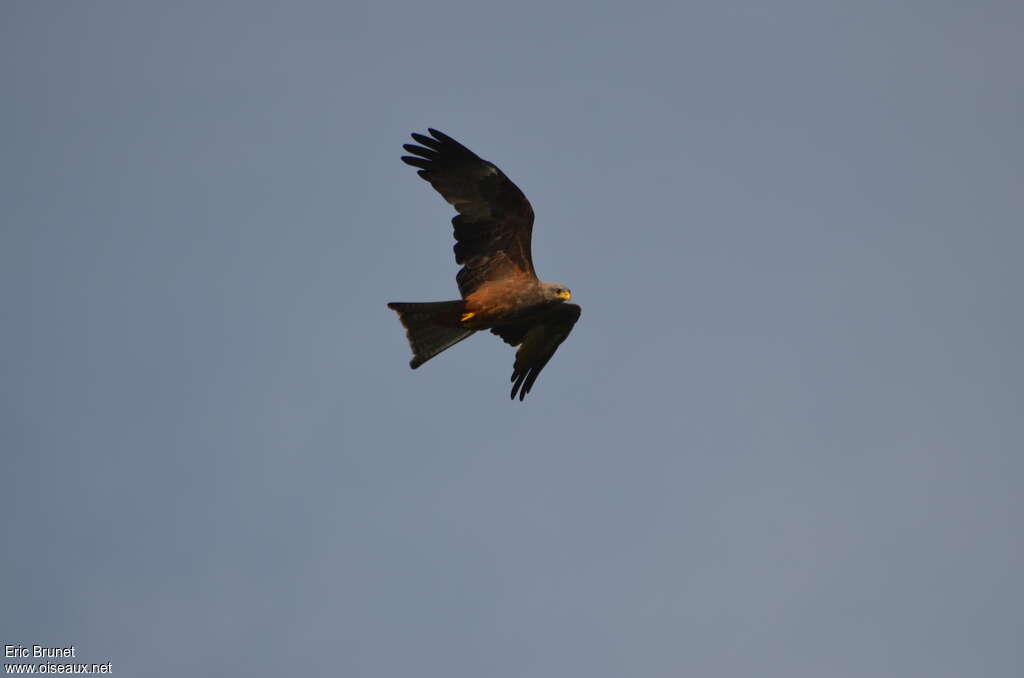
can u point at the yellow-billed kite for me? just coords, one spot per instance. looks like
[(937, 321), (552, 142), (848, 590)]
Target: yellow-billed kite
[(500, 290)]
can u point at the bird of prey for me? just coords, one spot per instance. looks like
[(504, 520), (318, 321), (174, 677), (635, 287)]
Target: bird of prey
[(500, 290)]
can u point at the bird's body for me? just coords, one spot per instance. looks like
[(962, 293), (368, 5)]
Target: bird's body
[(507, 301), (500, 289)]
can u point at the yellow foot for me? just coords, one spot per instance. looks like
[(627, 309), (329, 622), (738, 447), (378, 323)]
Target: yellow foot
[(466, 317)]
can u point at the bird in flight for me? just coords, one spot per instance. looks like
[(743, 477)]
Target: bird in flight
[(500, 290)]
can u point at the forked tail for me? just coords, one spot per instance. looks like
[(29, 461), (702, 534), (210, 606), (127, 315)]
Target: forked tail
[(431, 327)]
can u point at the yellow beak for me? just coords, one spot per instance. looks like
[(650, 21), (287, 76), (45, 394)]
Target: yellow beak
[(567, 295)]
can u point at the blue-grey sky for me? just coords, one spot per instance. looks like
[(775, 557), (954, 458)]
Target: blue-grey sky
[(784, 440)]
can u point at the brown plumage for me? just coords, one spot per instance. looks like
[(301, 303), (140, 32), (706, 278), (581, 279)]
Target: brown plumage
[(499, 287)]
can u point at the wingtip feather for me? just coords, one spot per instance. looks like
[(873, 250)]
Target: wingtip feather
[(416, 162), (419, 150), (426, 141)]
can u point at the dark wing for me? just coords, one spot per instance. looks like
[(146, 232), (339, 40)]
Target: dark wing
[(537, 343), (495, 220)]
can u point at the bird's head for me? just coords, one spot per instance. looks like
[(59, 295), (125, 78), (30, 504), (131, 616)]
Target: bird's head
[(557, 292)]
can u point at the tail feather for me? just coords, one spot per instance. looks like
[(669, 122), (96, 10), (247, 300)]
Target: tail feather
[(431, 327)]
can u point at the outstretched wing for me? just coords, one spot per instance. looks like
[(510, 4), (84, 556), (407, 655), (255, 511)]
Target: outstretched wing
[(537, 343), (494, 221)]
